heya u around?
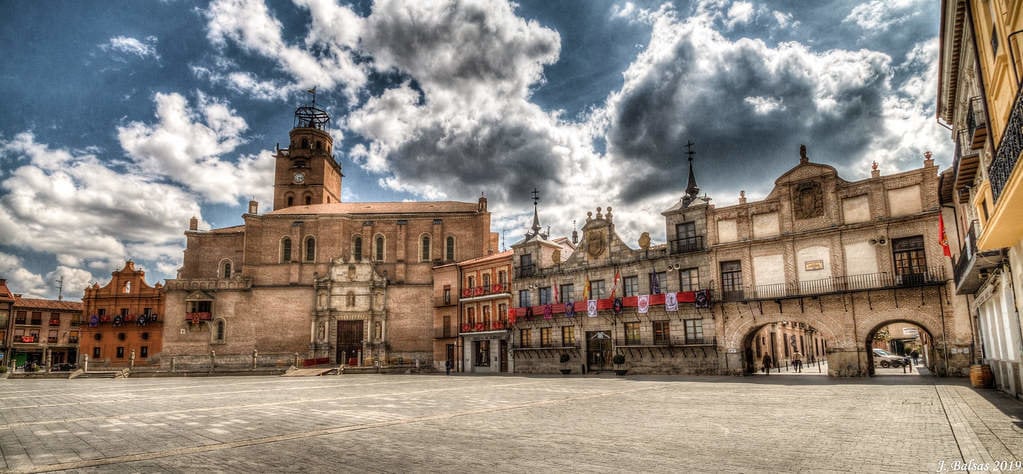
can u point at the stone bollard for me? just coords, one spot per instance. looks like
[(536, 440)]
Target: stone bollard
[(85, 364), (131, 360), (255, 354), (173, 359), (213, 359)]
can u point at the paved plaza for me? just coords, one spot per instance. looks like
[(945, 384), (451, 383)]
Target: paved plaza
[(437, 423)]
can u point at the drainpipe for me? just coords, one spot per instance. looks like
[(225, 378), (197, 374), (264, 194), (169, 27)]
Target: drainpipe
[(944, 336)]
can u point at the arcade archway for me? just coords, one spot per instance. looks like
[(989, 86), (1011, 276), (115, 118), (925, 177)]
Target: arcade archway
[(784, 347)]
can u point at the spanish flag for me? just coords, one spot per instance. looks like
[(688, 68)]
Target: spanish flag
[(942, 238), (586, 290)]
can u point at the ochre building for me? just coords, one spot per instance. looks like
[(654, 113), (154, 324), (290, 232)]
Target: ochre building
[(123, 321)]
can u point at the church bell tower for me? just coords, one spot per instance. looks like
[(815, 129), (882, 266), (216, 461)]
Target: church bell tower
[(306, 171)]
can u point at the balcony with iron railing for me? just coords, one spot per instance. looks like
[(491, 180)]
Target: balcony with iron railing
[(976, 123), (840, 284), (486, 290), (496, 325), (673, 341), (1008, 150), (973, 266), (965, 164), (526, 271), (687, 244)]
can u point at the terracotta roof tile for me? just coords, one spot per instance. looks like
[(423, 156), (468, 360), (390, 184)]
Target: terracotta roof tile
[(39, 303)]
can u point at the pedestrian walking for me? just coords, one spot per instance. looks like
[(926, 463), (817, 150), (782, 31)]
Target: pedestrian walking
[(915, 356), (797, 361), (767, 364), (447, 367)]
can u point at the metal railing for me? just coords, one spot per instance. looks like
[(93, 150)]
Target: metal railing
[(839, 284), (1008, 150), (976, 122), (687, 244), (967, 253), (526, 271)]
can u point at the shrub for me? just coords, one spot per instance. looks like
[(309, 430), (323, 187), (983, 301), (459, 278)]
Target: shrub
[(564, 358), (618, 359)]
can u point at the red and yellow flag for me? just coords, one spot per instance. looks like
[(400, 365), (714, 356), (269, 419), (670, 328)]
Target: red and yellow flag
[(942, 238)]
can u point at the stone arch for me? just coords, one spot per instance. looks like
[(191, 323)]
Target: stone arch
[(740, 329), (936, 358)]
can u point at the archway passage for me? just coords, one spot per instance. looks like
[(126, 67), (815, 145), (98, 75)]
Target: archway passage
[(900, 348), (785, 347)]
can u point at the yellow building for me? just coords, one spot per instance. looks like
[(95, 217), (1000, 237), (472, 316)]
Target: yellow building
[(979, 100)]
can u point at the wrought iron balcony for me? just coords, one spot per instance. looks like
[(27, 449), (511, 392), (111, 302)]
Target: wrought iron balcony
[(687, 244), (976, 123), (965, 164), (972, 266), (841, 284), (526, 271), (1008, 150)]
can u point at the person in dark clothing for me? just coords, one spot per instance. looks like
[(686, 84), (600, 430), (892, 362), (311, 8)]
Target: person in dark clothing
[(447, 367), (767, 364)]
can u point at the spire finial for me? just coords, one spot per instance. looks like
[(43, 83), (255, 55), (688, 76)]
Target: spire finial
[(692, 189), (534, 230)]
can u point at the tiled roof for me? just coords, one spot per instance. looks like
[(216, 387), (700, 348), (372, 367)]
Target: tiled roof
[(55, 305), (496, 256)]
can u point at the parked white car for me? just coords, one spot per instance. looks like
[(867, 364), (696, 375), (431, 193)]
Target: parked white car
[(887, 359)]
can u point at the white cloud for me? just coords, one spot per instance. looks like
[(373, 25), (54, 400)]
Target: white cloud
[(881, 15), (20, 280), (187, 145), (85, 213), (250, 25), (765, 105), (132, 46), (739, 13)]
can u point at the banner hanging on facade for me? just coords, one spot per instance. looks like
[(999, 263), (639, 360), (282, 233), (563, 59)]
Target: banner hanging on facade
[(671, 301)]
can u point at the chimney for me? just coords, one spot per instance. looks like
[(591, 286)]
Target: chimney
[(193, 223), (253, 207)]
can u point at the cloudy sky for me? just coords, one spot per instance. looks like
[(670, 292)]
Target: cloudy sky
[(122, 119)]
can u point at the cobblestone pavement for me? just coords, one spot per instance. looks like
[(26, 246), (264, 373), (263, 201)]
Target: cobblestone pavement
[(436, 423)]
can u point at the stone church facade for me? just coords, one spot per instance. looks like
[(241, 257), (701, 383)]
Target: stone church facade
[(323, 280)]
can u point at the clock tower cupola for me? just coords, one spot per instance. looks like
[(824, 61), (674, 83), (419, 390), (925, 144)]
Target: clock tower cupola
[(306, 172)]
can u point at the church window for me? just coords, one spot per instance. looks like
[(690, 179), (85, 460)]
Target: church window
[(310, 248), (425, 250), (225, 268), (450, 249), (219, 331), (308, 199), (357, 248), (291, 200), (380, 248), (285, 250), (319, 145), (305, 143)]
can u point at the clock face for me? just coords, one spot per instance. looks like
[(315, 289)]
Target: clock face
[(299, 178)]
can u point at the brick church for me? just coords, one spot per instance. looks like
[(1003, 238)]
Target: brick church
[(321, 279)]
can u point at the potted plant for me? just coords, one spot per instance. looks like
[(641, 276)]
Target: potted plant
[(564, 360), (619, 362)]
